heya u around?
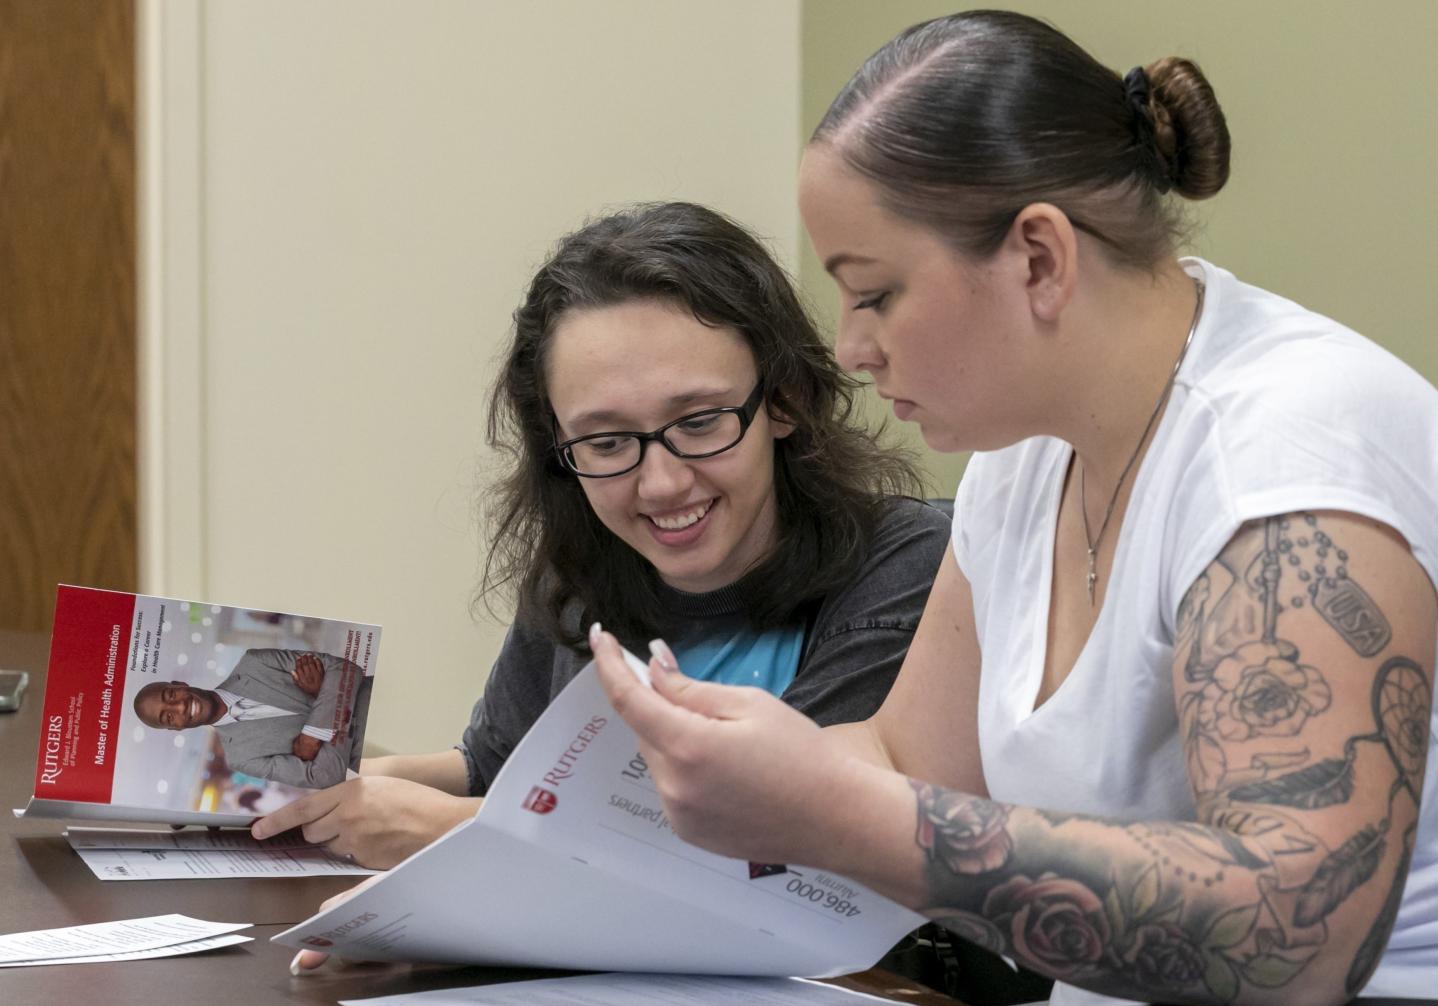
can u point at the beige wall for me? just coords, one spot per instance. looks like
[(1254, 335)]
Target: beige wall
[(1333, 109), (343, 202)]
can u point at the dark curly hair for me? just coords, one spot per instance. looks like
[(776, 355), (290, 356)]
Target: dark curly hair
[(548, 549)]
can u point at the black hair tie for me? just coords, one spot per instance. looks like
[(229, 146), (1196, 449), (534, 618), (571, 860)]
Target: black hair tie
[(1137, 91), (1135, 87)]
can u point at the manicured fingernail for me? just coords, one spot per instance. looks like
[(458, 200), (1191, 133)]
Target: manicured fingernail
[(661, 652), (594, 631), (295, 965)]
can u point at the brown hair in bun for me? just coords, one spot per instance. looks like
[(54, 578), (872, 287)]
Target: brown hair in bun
[(962, 121)]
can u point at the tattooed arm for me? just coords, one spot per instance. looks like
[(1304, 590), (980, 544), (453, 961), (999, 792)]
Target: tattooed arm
[(1302, 681), (1305, 726)]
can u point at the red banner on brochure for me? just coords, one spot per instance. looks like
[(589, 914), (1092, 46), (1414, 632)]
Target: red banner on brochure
[(89, 654)]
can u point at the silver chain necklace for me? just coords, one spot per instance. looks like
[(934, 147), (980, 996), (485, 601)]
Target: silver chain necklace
[(1089, 539)]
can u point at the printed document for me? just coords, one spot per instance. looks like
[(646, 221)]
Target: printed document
[(125, 936), (572, 863), (121, 854), (635, 990), (183, 712), (193, 947)]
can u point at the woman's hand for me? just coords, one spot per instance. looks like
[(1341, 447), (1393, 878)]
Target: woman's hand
[(740, 772), (376, 821), (308, 960)]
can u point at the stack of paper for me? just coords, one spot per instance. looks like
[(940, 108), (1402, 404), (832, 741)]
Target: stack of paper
[(127, 940), (120, 854)]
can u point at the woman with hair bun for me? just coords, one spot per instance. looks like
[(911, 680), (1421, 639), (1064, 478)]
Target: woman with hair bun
[(1165, 731)]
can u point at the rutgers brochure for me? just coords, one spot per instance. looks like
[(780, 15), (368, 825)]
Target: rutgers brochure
[(572, 863), (182, 712)]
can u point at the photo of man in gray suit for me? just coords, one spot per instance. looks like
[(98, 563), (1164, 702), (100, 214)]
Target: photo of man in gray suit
[(293, 716)]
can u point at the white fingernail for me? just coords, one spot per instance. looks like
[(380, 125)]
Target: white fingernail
[(594, 631), (661, 652), (295, 965)]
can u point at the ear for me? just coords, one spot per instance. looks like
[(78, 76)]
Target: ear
[(780, 425), (1044, 242)]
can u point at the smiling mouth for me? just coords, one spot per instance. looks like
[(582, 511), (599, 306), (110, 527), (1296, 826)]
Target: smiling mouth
[(679, 521), (194, 709)]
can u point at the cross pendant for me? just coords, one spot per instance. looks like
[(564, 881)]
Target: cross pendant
[(1092, 575)]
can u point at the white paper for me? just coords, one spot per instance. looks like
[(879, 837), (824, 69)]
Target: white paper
[(571, 863), (634, 990), (168, 838), (193, 947), (116, 854), (123, 936)]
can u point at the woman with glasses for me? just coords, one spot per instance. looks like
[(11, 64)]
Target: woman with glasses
[(1166, 731), (684, 462)]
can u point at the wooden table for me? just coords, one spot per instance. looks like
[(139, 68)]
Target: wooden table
[(44, 885)]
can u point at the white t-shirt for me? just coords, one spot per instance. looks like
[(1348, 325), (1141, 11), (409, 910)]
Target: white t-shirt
[(1275, 409)]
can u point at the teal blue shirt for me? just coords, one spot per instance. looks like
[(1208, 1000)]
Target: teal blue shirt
[(767, 660)]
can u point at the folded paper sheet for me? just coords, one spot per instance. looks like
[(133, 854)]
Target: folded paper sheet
[(572, 863)]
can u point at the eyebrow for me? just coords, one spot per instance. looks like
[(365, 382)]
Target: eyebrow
[(674, 402), (845, 258)]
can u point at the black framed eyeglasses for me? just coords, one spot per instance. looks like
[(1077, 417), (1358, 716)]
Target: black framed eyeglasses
[(698, 435)]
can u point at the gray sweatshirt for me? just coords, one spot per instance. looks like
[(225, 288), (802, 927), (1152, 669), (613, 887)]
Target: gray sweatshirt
[(854, 641)]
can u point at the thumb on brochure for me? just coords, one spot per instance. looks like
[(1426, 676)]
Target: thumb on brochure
[(307, 960)]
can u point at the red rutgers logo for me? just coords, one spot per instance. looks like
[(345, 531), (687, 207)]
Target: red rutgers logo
[(317, 941), (540, 800)]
